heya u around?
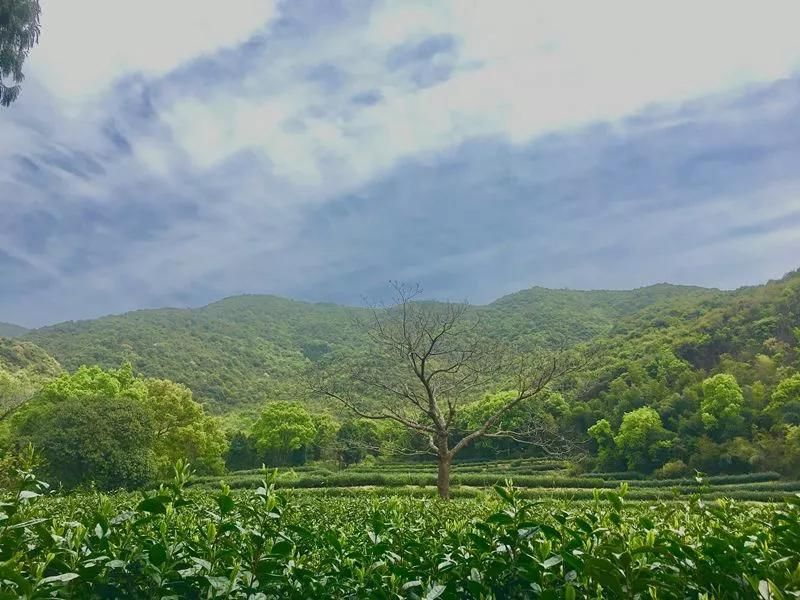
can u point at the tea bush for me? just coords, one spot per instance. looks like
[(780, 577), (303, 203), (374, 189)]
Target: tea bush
[(176, 542)]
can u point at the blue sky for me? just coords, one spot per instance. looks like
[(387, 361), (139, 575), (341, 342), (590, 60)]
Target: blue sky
[(317, 149)]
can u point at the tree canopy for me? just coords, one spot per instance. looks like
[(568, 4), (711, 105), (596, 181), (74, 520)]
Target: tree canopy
[(19, 32)]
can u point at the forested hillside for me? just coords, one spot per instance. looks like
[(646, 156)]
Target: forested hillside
[(19, 355), (683, 378), (9, 330), (241, 350)]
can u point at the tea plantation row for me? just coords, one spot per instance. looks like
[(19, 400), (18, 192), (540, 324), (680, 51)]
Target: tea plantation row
[(261, 544)]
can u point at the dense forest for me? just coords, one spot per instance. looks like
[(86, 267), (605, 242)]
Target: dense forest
[(7, 330), (682, 379), (237, 351)]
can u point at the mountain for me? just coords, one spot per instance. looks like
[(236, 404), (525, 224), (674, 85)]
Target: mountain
[(9, 330), (235, 352)]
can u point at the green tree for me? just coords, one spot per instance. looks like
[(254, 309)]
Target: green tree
[(180, 428), (721, 405), (19, 32), (640, 438), (356, 439), (183, 429), (607, 452), (326, 428), (284, 427), (107, 440), (786, 400), (15, 389), (94, 382)]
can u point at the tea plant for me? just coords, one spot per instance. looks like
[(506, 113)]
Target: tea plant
[(179, 542)]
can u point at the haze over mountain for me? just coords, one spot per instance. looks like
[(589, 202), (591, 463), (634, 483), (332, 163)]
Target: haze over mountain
[(317, 149), (9, 330)]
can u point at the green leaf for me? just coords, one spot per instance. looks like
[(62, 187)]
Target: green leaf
[(157, 555), (154, 505), (435, 591), (411, 584), (282, 548), (551, 562), (225, 503), (63, 578)]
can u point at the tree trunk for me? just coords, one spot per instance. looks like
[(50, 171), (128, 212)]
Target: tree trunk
[(443, 477)]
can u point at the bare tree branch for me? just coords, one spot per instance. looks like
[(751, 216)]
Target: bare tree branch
[(429, 359)]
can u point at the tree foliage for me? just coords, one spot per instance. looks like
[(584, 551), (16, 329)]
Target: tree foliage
[(284, 427), (721, 406), (19, 32), (165, 424)]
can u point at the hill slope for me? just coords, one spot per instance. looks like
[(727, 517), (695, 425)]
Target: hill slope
[(18, 355), (9, 330), (238, 351)]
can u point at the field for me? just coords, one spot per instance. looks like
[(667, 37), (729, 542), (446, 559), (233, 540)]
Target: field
[(194, 541), (533, 478)]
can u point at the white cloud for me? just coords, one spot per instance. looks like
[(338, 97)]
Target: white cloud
[(87, 44), (526, 68)]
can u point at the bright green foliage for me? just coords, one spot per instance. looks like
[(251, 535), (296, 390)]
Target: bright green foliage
[(183, 428), (174, 543), (608, 457), (19, 32), (786, 399), (655, 346), (641, 438), (15, 389), (283, 427), (165, 424), (108, 441), (88, 383), (325, 430), (722, 402)]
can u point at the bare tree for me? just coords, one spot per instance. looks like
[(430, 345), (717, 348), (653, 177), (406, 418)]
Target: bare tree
[(426, 361)]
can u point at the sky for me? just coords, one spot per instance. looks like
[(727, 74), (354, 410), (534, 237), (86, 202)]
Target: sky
[(173, 153)]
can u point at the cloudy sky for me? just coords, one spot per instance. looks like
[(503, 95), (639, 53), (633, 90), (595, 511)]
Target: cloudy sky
[(175, 152)]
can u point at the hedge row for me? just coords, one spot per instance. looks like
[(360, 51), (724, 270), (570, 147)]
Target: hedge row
[(351, 479), (569, 494)]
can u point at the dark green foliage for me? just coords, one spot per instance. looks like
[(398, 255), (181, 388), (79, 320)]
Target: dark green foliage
[(9, 330), (655, 347), (107, 441), (19, 32), (264, 544)]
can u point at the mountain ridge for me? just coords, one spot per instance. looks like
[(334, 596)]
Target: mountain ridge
[(10, 330)]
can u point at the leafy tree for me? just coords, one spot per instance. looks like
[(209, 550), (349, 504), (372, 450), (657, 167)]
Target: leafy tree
[(721, 405), (184, 430), (19, 32), (640, 438), (242, 452), (326, 428), (356, 439), (607, 452), (107, 440), (16, 388), (94, 382), (786, 399), (180, 429), (283, 427)]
